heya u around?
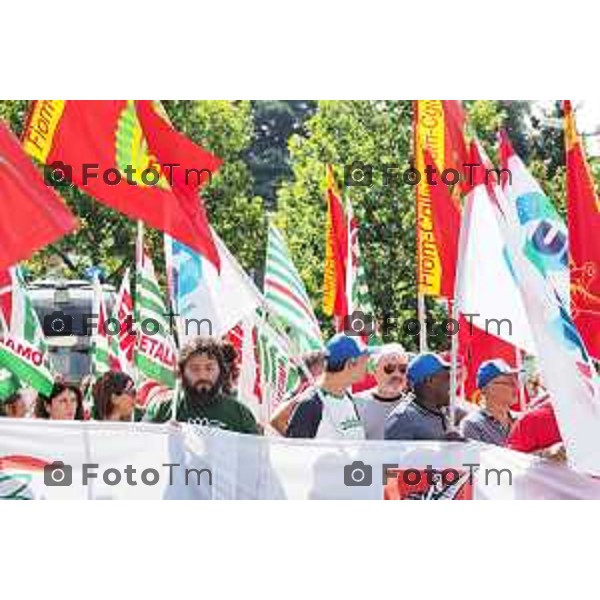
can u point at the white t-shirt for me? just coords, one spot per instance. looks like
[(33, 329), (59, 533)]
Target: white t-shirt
[(340, 419), (320, 414)]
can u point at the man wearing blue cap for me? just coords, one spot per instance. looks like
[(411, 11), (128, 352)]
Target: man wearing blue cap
[(499, 387), (375, 405), (327, 411), (423, 418)]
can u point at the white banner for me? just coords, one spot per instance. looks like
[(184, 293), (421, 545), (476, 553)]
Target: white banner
[(149, 461)]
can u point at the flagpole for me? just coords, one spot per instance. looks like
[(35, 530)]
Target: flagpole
[(519, 363), (422, 315), (139, 245), (421, 307), (453, 310)]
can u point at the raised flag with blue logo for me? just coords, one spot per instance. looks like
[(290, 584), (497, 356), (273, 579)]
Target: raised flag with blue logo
[(208, 302), (536, 239)]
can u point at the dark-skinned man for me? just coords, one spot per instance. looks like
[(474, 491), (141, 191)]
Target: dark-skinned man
[(424, 417)]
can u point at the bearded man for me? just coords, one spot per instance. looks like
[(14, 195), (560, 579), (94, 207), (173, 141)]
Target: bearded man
[(205, 368)]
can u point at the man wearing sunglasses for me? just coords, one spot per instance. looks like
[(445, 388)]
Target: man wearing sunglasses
[(499, 388), (374, 405)]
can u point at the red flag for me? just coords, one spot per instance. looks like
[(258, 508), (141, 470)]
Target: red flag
[(445, 215), (32, 215), (584, 246), (477, 346), (195, 168), (439, 126), (456, 150), (127, 148), (336, 254)]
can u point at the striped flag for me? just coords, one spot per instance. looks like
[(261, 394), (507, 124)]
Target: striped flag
[(122, 343), (357, 288), (245, 338), (286, 295), (9, 384), (23, 349), (101, 340), (279, 375), (155, 350)]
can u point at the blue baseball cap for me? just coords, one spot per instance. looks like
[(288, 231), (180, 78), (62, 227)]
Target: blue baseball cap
[(425, 365), (341, 348), (490, 369)]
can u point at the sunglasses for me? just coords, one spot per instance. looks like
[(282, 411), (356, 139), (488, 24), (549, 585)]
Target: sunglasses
[(389, 369)]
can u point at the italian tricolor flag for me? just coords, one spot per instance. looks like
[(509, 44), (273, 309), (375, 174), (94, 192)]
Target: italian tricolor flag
[(23, 349)]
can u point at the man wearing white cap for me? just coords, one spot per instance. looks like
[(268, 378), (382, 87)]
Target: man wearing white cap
[(374, 405), (499, 387)]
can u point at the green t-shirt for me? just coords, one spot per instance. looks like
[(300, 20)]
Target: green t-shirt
[(225, 412)]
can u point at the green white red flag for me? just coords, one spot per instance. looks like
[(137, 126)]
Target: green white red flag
[(278, 373), (101, 339), (357, 288), (23, 348), (155, 350), (121, 321), (286, 296)]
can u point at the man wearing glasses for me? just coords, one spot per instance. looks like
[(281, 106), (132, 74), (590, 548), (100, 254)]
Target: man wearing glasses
[(374, 405), (499, 387)]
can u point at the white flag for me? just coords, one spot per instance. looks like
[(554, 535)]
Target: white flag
[(486, 288), (207, 301), (537, 241)]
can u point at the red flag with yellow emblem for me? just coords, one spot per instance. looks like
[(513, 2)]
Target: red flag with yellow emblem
[(126, 155)]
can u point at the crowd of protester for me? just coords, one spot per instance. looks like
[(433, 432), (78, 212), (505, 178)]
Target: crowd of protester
[(409, 401)]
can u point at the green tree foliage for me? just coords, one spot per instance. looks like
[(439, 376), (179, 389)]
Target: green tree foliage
[(377, 133), (268, 156)]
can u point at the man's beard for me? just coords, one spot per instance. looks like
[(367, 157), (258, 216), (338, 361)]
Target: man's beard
[(205, 395)]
